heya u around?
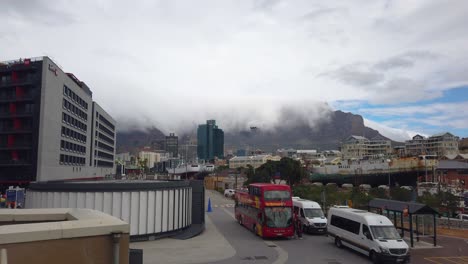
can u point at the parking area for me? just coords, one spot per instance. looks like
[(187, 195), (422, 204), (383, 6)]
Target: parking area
[(449, 250)]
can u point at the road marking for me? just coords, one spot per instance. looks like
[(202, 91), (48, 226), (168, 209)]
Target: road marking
[(457, 260), (282, 254)]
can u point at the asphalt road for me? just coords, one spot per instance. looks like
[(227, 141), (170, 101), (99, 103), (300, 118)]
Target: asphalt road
[(252, 249)]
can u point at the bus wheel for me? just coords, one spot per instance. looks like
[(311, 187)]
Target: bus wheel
[(338, 242)]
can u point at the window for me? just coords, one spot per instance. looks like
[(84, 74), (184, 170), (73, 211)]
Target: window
[(345, 224)]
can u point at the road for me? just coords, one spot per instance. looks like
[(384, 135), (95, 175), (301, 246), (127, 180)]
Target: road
[(252, 249)]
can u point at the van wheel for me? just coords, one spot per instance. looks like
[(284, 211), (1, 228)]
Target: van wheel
[(338, 242), (373, 257)]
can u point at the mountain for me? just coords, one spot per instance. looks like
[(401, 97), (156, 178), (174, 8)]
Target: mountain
[(133, 141), (324, 136), (327, 135)]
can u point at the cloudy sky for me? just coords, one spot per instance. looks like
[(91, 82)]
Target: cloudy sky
[(172, 64)]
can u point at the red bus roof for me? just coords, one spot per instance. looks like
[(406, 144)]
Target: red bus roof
[(264, 185)]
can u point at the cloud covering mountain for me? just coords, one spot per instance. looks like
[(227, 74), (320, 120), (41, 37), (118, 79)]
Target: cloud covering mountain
[(174, 64)]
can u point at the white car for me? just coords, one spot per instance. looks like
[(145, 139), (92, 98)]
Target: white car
[(229, 193)]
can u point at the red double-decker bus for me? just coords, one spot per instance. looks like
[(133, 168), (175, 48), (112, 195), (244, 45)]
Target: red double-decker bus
[(266, 209)]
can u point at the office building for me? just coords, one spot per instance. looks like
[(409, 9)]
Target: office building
[(210, 144), (172, 145), (50, 128)]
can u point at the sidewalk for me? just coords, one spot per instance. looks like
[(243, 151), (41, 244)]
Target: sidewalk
[(209, 246)]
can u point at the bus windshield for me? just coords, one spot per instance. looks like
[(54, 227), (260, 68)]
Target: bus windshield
[(385, 232), (276, 195), (278, 216), (313, 212)]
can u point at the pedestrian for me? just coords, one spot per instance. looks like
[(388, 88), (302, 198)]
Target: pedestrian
[(298, 228)]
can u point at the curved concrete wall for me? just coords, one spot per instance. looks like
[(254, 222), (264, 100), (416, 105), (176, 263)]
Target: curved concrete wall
[(149, 207)]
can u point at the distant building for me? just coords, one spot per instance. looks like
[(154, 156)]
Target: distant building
[(210, 141), (439, 144), (453, 172), (254, 161), (50, 128), (150, 157), (241, 152), (172, 145), (357, 147), (463, 145), (188, 152)]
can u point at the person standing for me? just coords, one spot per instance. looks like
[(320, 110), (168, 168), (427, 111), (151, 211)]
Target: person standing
[(298, 227)]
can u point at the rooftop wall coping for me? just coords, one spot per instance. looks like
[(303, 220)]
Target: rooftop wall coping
[(69, 223), (106, 186)]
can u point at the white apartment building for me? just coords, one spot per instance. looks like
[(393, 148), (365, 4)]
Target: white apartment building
[(439, 144), (254, 161), (150, 157), (357, 147)]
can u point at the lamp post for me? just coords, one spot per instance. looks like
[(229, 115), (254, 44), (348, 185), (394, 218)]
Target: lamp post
[(425, 165)]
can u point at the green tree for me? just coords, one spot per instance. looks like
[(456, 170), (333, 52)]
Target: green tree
[(400, 194), (378, 193), (430, 200), (450, 202), (360, 199)]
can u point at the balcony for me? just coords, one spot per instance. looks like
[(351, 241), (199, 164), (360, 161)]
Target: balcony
[(18, 114), (9, 130), (14, 163), (19, 82), (13, 98), (20, 146)]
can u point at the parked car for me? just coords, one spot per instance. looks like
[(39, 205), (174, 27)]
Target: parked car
[(229, 193)]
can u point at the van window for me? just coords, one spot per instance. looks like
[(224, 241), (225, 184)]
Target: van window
[(313, 212), (385, 232), (366, 232), (345, 224), (302, 212)]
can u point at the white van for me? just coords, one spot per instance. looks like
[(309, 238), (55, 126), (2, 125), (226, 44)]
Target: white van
[(311, 215), (371, 234)]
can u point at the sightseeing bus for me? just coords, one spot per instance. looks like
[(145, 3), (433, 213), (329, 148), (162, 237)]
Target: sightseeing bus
[(266, 209)]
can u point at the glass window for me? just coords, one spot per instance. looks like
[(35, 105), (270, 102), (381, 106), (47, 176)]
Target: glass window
[(385, 232), (278, 216), (365, 231), (313, 212), (276, 195)]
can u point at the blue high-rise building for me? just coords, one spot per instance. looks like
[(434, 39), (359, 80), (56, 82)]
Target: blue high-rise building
[(210, 141)]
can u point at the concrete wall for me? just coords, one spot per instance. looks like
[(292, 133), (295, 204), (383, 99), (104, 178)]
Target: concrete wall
[(95, 249), (149, 207)]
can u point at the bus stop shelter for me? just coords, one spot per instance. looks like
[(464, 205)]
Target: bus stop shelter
[(404, 209)]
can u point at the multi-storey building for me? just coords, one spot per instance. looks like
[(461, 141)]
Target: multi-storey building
[(439, 144), (49, 125), (210, 142), (172, 145), (150, 157), (442, 144), (415, 146), (357, 147), (254, 161)]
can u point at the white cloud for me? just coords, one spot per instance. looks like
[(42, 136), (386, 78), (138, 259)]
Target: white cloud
[(173, 63), (396, 134)]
